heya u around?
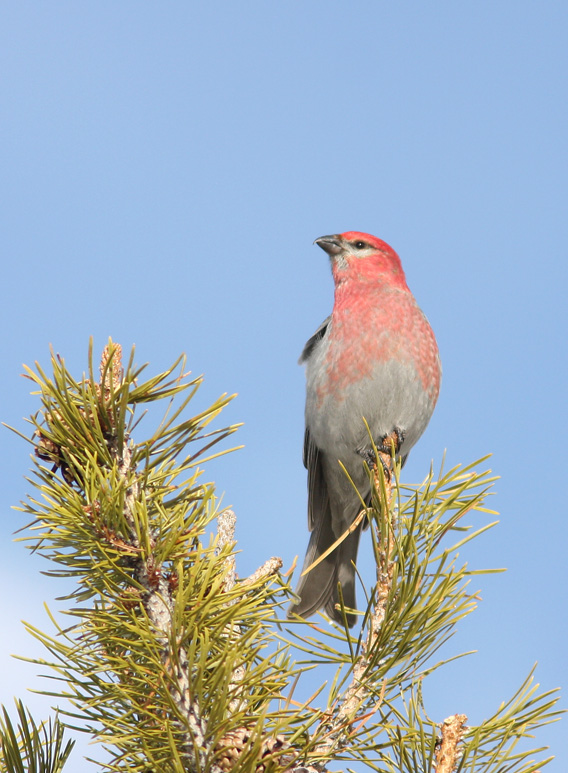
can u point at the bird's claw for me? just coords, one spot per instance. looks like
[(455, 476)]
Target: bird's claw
[(394, 438), (385, 455)]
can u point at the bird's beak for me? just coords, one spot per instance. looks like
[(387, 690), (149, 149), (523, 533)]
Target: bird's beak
[(331, 244)]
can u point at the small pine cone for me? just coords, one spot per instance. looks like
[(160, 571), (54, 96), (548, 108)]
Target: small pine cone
[(272, 745), (232, 746), (130, 599), (46, 449)]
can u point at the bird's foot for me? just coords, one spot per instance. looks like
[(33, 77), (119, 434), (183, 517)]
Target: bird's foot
[(368, 455), (394, 440), (387, 449)]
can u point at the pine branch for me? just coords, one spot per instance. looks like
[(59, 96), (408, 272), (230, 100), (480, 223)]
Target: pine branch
[(174, 662), (447, 753), (29, 747), (340, 718), (159, 605), (172, 666), (419, 597)]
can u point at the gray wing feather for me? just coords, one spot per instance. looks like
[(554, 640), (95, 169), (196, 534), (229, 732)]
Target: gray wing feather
[(318, 495), (311, 342)]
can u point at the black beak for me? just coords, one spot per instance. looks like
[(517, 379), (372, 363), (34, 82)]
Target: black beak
[(331, 244)]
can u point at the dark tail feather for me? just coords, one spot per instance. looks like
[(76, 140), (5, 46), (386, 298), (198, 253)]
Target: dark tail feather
[(346, 555), (318, 588)]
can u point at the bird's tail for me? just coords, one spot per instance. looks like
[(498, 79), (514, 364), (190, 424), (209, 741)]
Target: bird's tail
[(318, 588)]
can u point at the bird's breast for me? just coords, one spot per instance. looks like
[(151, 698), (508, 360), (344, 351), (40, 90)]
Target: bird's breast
[(364, 338), (378, 361)]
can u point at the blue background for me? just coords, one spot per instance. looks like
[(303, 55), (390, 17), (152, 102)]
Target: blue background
[(165, 170)]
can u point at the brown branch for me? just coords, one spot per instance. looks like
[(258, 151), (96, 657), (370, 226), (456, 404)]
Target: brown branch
[(269, 567), (159, 605), (447, 753), (338, 723), (226, 523), (231, 747)]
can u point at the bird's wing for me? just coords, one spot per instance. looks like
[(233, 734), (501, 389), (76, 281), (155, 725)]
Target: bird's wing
[(311, 342), (318, 588), (318, 497)]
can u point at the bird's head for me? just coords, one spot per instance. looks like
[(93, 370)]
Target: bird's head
[(356, 255)]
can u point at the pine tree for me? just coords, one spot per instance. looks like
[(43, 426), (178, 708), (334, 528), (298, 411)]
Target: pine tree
[(174, 663)]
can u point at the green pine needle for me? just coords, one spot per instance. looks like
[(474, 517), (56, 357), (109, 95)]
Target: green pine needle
[(173, 665)]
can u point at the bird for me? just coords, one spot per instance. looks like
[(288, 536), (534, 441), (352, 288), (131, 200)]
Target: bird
[(372, 370)]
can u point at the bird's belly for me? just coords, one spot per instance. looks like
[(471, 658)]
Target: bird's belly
[(391, 396)]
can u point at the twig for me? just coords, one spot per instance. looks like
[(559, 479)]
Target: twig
[(269, 567), (338, 723), (226, 523), (232, 745), (447, 753)]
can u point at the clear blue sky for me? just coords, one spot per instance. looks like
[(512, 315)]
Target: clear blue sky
[(166, 168)]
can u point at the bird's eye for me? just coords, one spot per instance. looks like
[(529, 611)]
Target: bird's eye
[(360, 245)]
